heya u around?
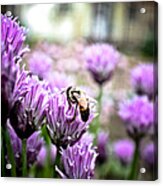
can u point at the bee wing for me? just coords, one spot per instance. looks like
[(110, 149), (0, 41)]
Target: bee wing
[(92, 102)]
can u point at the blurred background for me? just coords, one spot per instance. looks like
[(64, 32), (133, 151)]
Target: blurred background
[(123, 24), (62, 31)]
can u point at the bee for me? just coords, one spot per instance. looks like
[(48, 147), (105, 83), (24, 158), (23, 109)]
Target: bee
[(81, 100)]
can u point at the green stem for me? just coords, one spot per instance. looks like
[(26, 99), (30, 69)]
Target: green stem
[(10, 153), (47, 171), (33, 172), (24, 158), (48, 168), (45, 135), (94, 128), (134, 166), (99, 99), (57, 162), (2, 154), (3, 162)]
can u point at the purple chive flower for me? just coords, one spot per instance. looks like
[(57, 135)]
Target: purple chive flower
[(155, 116), (154, 128), (28, 111), (43, 155), (63, 127), (156, 110), (79, 160), (124, 150), (9, 72), (59, 80), (12, 37), (102, 142), (24, 81), (40, 64), (16, 143), (143, 79), (149, 154), (101, 61), (137, 114), (34, 145)]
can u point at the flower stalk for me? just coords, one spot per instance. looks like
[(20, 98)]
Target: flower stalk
[(100, 98), (96, 124), (10, 154), (48, 171), (135, 162), (24, 158), (2, 153)]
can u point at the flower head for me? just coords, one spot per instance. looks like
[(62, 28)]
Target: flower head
[(102, 142), (9, 72), (34, 145), (65, 125), (124, 150), (40, 64), (149, 154), (154, 128), (101, 61), (12, 37), (15, 142), (137, 114), (143, 79), (79, 160), (28, 111), (59, 80)]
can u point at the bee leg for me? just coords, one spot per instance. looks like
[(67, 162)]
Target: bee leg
[(74, 116), (69, 104), (76, 91)]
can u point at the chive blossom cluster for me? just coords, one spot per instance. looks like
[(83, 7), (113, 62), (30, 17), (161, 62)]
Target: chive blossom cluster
[(39, 121)]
